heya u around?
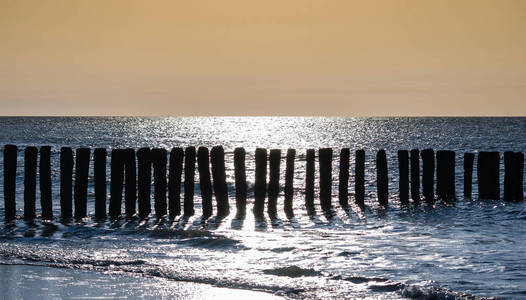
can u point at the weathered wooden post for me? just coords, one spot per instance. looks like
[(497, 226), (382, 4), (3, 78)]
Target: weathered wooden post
[(468, 174), (325, 161), (66, 182), (130, 182), (159, 158), (518, 177), (174, 181), (144, 182), (99, 174), (428, 174), (260, 186), (45, 183), (205, 183), (415, 175), (30, 181), (359, 179), (309, 181), (241, 181), (343, 178), (116, 182), (403, 169), (509, 164), (10, 157), (446, 174), (273, 183), (217, 159), (488, 176), (82, 158), (189, 181), (382, 178), (289, 183)]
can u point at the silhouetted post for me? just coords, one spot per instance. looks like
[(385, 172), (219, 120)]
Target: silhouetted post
[(130, 182), (260, 186), (325, 160), (428, 174), (343, 179), (10, 157), (174, 181), (381, 178), (415, 175), (144, 182), (116, 182), (273, 183), (45, 183), (309, 180), (159, 158), (241, 180), (81, 182), (513, 176), (189, 173), (518, 177), (30, 181), (289, 183), (403, 169), (446, 175), (217, 159), (488, 176), (359, 179), (468, 174), (66, 182), (99, 174), (205, 183)]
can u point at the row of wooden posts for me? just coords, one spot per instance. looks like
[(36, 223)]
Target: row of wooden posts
[(131, 171)]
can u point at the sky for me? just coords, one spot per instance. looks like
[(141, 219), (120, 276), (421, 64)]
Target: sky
[(263, 57)]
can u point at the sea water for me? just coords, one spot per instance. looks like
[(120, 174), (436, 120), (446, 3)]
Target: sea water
[(468, 248)]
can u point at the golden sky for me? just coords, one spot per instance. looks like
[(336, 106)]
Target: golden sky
[(263, 57)]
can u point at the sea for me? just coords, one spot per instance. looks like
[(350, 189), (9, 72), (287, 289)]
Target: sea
[(468, 248)]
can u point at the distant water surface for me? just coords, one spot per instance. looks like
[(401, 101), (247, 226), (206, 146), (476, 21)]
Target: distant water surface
[(465, 249)]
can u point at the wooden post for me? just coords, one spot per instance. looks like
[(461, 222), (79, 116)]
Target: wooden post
[(130, 182), (518, 177), (260, 186), (468, 174), (10, 161), (343, 179), (82, 158), (66, 182), (415, 175), (403, 169), (217, 158), (289, 183), (241, 181), (309, 181), (273, 183), (488, 164), (30, 181), (159, 158), (359, 179), (116, 182), (205, 183), (325, 161), (189, 173), (45, 183), (509, 164), (144, 181), (99, 174), (428, 174), (174, 181), (446, 175), (381, 178)]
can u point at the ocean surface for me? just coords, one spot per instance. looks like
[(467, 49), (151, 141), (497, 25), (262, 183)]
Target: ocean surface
[(468, 248)]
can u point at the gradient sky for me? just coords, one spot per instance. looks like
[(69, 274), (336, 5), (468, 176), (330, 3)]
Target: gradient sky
[(263, 57)]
